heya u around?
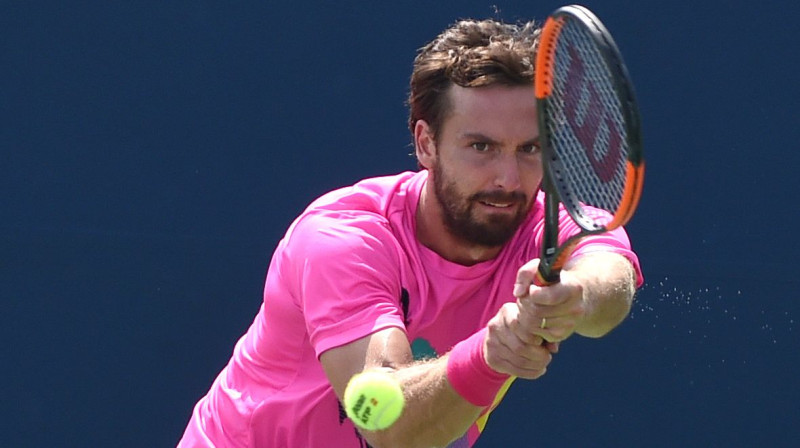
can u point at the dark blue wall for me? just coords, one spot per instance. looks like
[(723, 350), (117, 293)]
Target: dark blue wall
[(152, 154)]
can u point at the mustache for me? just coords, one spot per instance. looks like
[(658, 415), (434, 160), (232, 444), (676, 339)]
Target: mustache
[(501, 196)]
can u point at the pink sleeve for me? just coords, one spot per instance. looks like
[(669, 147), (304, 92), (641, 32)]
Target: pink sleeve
[(346, 277)]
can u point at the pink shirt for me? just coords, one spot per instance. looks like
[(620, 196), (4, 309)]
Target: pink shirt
[(350, 265)]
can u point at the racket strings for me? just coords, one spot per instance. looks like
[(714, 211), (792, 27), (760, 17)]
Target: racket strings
[(587, 125)]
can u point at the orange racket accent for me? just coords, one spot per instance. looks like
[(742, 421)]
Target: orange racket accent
[(539, 280), (639, 189), (545, 58), (557, 264), (634, 177)]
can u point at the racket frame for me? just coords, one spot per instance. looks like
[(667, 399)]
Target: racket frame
[(554, 256)]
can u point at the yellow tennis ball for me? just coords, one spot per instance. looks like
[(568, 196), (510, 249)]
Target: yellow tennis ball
[(373, 400)]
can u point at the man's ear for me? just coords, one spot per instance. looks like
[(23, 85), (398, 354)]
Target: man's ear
[(424, 144)]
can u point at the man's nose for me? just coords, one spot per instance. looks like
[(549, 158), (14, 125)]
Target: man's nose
[(507, 173)]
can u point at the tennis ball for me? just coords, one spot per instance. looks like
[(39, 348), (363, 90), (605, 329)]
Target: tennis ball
[(373, 400)]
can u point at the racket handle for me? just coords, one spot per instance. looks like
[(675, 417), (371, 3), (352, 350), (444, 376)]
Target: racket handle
[(549, 271), (546, 275)]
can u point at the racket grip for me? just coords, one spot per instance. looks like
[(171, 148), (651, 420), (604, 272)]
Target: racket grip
[(546, 276), (549, 271)]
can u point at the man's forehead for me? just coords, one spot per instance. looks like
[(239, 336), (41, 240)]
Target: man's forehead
[(494, 111), (493, 100)]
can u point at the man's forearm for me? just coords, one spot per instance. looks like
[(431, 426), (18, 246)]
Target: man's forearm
[(435, 414), (609, 284)]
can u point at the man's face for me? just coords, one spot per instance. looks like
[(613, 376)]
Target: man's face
[(487, 166)]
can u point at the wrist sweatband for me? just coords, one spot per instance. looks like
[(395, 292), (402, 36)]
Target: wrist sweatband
[(469, 374)]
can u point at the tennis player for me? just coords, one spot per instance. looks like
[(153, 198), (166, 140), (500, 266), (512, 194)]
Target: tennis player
[(427, 275)]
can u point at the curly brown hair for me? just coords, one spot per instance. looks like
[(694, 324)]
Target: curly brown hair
[(471, 53)]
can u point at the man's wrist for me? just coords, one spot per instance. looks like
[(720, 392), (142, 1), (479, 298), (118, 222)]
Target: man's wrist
[(470, 375)]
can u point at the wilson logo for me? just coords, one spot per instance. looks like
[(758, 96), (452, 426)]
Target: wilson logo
[(585, 112)]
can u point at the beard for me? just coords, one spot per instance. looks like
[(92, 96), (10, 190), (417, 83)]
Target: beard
[(460, 217)]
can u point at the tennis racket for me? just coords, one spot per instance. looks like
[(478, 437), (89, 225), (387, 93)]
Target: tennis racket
[(589, 132)]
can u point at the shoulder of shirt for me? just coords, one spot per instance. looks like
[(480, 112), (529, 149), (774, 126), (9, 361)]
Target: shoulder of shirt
[(370, 200), (372, 194)]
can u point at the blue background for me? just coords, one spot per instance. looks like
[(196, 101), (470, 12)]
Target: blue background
[(153, 153)]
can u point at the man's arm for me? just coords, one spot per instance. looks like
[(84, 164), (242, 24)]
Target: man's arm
[(609, 284), (435, 414)]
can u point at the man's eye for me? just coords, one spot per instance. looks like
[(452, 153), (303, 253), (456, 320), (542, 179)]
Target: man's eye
[(480, 146), (530, 149)]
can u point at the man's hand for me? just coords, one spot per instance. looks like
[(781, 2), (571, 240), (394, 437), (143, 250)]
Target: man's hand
[(513, 345), (551, 312), (524, 335)]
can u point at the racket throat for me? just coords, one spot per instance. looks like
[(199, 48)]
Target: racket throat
[(549, 271), (550, 237)]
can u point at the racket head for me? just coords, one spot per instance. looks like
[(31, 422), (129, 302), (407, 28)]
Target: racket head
[(588, 121)]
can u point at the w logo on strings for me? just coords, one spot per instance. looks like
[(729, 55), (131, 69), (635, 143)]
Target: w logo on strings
[(585, 113)]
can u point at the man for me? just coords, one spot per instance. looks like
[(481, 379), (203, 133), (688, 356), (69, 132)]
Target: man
[(436, 264)]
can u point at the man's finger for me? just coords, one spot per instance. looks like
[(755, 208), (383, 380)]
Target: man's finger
[(525, 277)]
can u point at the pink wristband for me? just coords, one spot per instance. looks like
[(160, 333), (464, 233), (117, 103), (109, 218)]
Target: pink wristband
[(469, 374)]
